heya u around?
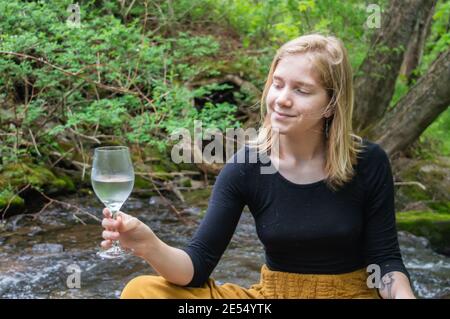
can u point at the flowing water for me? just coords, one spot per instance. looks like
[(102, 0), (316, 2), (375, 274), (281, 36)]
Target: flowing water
[(43, 257)]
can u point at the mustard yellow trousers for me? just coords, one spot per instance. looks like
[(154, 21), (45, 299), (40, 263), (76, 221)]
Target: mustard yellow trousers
[(272, 285)]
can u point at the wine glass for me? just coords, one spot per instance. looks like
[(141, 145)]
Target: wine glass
[(112, 179)]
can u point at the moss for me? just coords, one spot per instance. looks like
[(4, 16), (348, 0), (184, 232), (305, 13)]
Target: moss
[(86, 191), (150, 151), (18, 175), (5, 197), (141, 183), (22, 174), (162, 163), (186, 182), (441, 207), (58, 185), (15, 176), (69, 184), (199, 198), (164, 166), (414, 215), (433, 175), (414, 193), (39, 176), (430, 224), (158, 168)]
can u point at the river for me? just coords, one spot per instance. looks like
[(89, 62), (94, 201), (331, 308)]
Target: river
[(40, 257)]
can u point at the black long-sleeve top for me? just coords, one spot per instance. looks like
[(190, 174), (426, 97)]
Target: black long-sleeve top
[(304, 228)]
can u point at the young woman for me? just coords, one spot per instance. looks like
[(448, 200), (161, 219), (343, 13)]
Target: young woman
[(323, 216)]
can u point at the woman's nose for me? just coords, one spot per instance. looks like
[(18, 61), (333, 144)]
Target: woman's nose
[(284, 100)]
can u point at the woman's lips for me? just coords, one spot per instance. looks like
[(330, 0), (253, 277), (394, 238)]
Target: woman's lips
[(282, 115)]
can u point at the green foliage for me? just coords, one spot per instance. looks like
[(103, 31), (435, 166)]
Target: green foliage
[(401, 88), (272, 22), (8, 197), (437, 42), (439, 38), (141, 96), (126, 75), (438, 133), (435, 137), (221, 114)]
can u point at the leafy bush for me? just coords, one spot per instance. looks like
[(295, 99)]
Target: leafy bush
[(106, 78)]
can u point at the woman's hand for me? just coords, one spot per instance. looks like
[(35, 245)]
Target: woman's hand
[(395, 285), (132, 234), (172, 263)]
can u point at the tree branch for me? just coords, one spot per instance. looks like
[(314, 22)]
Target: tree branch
[(98, 84), (417, 109)]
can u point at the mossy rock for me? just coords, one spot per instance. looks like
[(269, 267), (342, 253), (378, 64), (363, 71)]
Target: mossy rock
[(142, 183), (434, 225), (15, 176), (162, 163), (18, 175), (198, 198), (164, 166), (433, 174), (414, 193), (65, 183)]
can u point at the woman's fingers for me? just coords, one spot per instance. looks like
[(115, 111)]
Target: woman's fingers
[(126, 222), (107, 213), (106, 244), (114, 224), (109, 224), (119, 221), (110, 235)]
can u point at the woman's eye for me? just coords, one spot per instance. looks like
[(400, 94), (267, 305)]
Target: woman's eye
[(279, 86), (302, 92)]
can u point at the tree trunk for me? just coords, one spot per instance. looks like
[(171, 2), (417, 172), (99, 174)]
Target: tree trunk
[(375, 81), (416, 45), (418, 109)]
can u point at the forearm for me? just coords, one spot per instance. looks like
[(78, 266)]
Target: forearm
[(395, 285), (172, 263)]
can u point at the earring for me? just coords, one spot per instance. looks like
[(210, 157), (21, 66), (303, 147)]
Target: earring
[(327, 127)]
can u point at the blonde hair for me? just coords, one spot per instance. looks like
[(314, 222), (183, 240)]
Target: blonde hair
[(330, 59)]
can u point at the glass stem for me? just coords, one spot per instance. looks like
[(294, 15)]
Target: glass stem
[(115, 243)]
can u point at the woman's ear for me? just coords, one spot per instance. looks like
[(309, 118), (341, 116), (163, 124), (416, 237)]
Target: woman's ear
[(329, 113), (330, 108)]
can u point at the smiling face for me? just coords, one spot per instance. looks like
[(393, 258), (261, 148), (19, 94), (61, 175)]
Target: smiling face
[(296, 99)]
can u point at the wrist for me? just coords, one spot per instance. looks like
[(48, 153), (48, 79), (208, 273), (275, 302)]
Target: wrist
[(404, 295), (152, 248)]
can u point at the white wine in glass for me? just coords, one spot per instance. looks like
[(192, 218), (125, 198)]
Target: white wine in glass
[(112, 179)]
